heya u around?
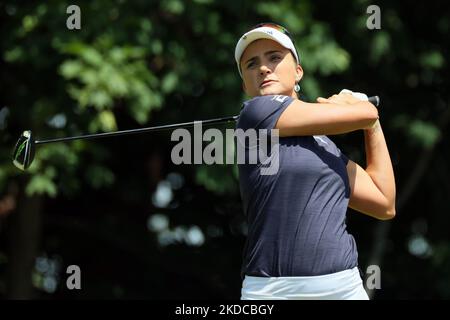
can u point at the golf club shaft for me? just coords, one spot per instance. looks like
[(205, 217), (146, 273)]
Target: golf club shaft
[(374, 100), (141, 130)]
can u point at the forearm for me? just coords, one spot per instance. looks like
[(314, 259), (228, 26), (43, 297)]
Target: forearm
[(379, 164), (327, 118), (351, 117)]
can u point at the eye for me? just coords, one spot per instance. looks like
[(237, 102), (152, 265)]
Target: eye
[(250, 64), (275, 57)]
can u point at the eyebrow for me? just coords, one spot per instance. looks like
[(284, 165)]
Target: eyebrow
[(266, 54)]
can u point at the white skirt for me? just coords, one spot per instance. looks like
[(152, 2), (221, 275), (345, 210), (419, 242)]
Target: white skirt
[(343, 285)]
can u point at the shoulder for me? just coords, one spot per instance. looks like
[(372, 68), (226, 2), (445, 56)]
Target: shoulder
[(263, 110), (266, 100)]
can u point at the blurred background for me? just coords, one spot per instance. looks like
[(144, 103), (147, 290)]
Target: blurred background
[(139, 226)]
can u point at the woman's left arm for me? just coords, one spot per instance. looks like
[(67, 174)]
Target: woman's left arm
[(373, 189)]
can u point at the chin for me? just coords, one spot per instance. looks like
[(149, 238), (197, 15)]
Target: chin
[(272, 91)]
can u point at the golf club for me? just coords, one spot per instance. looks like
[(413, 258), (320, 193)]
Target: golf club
[(24, 150)]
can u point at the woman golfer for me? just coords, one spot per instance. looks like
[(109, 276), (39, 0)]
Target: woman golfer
[(298, 246)]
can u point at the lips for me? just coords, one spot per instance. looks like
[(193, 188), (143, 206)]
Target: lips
[(266, 82)]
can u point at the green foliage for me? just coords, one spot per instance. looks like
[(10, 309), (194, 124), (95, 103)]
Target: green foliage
[(105, 121), (41, 183), (99, 176), (106, 74), (217, 178), (13, 55), (421, 133), (380, 46), (432, 59), (425, 133), (318, 51), (173, 6)]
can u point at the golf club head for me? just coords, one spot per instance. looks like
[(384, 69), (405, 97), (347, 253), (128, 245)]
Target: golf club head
[(23, 154)]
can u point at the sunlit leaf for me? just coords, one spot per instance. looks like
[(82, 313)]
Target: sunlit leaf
[(433, 59), (173, 6), (425, 133), (169, 82), (14, 54), (107, 121), (91, 56), (380, 45), (71, 69), (41, 185)]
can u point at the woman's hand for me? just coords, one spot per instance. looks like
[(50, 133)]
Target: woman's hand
[(345, 98), (341, 98)]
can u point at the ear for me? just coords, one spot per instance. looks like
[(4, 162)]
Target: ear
[(298, 73)]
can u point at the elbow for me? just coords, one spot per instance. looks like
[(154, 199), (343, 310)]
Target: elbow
[(385, 211), (387, 214)]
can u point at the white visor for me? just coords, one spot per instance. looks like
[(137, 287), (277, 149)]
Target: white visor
[(263, 33)]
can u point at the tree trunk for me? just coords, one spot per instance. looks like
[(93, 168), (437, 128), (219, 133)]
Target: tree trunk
[(25, 237)]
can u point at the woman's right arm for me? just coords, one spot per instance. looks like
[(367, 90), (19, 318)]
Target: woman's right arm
[(306, 119)]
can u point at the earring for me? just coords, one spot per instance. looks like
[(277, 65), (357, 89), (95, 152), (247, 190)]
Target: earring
[(297, 87)]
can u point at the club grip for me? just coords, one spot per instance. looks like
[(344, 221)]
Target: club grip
[(375, 100)]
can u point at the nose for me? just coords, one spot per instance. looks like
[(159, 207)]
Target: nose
[(263, 69)]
